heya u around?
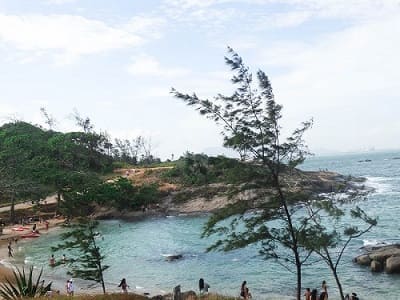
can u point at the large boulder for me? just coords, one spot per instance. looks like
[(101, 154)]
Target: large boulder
[(379, 258), (376, 266), (393, 264), (383, 253), (363, 260)]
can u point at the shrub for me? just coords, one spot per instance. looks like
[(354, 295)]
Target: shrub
[(24, 286)]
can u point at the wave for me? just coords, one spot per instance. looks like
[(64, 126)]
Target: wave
[(139, 287), (380, 185), (374, 242)]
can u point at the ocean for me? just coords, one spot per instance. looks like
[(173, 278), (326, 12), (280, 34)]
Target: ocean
[(136, 250)]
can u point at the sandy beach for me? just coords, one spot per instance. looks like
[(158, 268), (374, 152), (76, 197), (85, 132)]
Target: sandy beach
[(9, 234)]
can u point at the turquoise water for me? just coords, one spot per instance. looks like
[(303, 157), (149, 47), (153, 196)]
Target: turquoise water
[(135, 250)]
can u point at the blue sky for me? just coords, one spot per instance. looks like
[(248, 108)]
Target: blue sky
[(116, 61)]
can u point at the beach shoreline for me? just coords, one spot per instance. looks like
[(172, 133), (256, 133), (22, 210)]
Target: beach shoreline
[(8, 264)]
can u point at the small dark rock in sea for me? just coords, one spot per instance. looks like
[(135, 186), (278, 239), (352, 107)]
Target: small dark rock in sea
[(173, 257), (365, 160)]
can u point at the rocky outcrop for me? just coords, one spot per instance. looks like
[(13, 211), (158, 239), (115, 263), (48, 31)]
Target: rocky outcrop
[(382, 258), (211, 197), (363, 260), (376, 266), (393, 264)]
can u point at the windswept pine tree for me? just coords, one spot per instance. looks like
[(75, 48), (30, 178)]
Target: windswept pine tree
[(251, 119), (278, 222)]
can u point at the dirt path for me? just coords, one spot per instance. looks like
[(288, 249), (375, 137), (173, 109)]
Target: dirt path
[(26, 205)]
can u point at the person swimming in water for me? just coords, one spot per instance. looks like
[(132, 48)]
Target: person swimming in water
[(52, 261)]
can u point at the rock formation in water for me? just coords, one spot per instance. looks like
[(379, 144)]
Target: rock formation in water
[(381, 258)]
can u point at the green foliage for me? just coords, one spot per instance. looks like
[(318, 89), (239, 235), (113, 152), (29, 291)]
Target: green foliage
[(40, 162), (200, 169), (25, 286), (119, 193), (33, 152), (88, 262)]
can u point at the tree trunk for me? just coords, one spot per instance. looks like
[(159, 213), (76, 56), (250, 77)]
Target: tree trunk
[(339, 285), (58, 202), (292, 234), (12, 210), (102, 283), (298, 269)]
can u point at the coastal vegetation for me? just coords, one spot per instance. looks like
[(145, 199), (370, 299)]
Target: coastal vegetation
[(23, 285), (284, 217)]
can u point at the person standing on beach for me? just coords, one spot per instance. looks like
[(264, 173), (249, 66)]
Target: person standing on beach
[(314, 294), (324, 291), (10, 250), (201, 285), (123, 285), (307, 294), (70, 288), (244, 291)]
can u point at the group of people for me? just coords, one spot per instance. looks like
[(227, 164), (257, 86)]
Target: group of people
[(313, 295), (244, 290), (52, 261), (352, 297), (70, 287)]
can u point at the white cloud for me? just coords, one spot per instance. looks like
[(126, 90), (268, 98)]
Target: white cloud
[(282, 20), (286, 13), (65, 37), (145, 65), (346, 80), (60, 2), (364, 9), (185, 4), (146, 25), (200, 13)]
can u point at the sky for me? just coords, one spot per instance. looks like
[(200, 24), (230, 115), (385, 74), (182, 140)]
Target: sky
[(336, 61)]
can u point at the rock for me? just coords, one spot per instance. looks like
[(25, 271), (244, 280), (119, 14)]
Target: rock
[(363, 260), (173, 257), (383, 253), (393, 264), (189, 295), (376, 266), (381, 257)]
